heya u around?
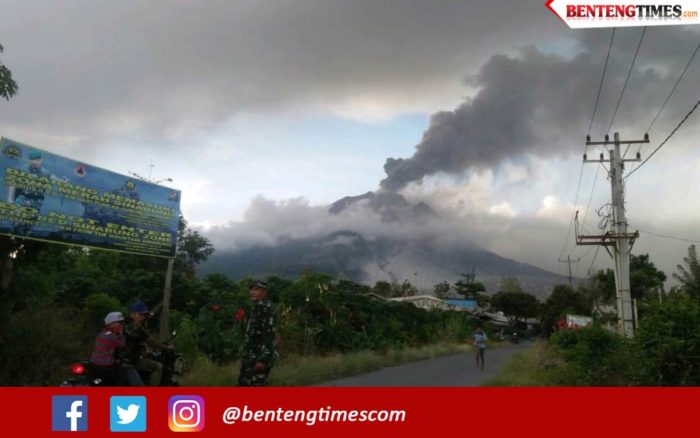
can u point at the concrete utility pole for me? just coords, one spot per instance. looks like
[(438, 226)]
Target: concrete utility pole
[(569, 262), (617, 237)]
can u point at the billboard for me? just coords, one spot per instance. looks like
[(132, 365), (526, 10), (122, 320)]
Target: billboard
[(578, 321), (51, 198)]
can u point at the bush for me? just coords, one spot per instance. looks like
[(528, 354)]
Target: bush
[(221, 336), (97, 306), (186, 342), (668, 343), (594, 357), (41, 343)]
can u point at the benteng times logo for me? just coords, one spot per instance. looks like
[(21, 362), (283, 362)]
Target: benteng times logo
[(601, 13)]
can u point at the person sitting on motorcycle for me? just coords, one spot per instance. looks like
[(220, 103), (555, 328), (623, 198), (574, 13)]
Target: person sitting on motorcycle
[(103, 362), (138, 340)]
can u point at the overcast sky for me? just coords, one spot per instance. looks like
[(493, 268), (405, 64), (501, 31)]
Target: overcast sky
[(265, 111)]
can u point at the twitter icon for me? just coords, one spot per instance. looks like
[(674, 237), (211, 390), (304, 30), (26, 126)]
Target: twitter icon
[(127, 414)]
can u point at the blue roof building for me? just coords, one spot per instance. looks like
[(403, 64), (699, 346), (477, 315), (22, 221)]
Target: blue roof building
[(469, 305)]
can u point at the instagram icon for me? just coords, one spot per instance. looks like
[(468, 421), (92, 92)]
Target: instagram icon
[(186, 413)]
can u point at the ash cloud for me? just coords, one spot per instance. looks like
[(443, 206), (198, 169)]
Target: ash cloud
[(538, 103)]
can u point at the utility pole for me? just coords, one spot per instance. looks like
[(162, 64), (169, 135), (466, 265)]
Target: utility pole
[(167, 288), (471, 277), (569, 262), (617, 238)]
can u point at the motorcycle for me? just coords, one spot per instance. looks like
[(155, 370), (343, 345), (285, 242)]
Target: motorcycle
[(84, 374), (171, 361)]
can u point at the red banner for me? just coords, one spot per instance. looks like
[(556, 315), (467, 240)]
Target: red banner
[(365, 412)]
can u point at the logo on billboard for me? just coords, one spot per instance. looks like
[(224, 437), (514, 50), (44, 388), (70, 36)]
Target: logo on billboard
[(80, 171), (12, 151)]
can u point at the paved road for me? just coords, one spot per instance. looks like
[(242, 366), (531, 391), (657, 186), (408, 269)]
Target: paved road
[(454, 370)]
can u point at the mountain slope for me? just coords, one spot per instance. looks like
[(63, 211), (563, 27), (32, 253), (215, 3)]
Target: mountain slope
[(347, 254)]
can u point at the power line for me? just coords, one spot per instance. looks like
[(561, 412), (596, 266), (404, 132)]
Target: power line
[(690, 61), (629, 73), (669, 237), (600, 87), (597, 248), (585, 254), (573, 215), (590, 198), (667, 138)]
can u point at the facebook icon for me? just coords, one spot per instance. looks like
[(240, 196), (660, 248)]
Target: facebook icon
[(69, 413)]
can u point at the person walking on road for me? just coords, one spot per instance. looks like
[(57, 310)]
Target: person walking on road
[(480, 344)]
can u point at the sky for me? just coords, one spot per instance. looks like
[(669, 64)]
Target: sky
[(264, 112)]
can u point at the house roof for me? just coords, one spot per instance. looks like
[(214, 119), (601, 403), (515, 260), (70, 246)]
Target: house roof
[(469, 304)]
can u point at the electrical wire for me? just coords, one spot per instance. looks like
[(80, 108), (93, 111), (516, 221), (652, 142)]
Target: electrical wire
[(600, 86), (590, 198), (597, 248), (687, 65), (585, 254), (573, 215), (665, 140), (669, 237), (690, 61), (629, 73)]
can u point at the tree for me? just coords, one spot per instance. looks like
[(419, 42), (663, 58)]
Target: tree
[(472, 290), (8, 86), (646, 282), (516, 306), (405, 289), (564, 299), (689, 275), (645, 278), (441, 290), (193, 248), (599, 290), (382, 288), (510, 284)]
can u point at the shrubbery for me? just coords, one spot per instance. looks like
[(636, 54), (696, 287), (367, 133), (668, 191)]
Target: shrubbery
[(664, 352), (317, 315), (594, 357), (44, 341), (668, 343)]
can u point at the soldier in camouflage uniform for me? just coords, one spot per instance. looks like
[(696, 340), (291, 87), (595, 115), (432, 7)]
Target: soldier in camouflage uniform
[(259, 347)]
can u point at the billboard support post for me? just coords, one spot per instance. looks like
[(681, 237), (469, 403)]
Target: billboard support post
[(165, 311)]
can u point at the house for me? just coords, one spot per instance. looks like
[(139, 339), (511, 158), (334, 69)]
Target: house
[(426, 302), (463, 305), (499, 319)]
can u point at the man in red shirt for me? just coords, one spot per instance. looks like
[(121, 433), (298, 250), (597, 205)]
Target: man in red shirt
[(103, 361)]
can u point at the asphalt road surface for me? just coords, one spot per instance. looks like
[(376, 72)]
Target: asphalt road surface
[(454, 370)]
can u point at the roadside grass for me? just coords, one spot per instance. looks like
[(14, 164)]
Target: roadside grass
[(297, 370), (532, 367)]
